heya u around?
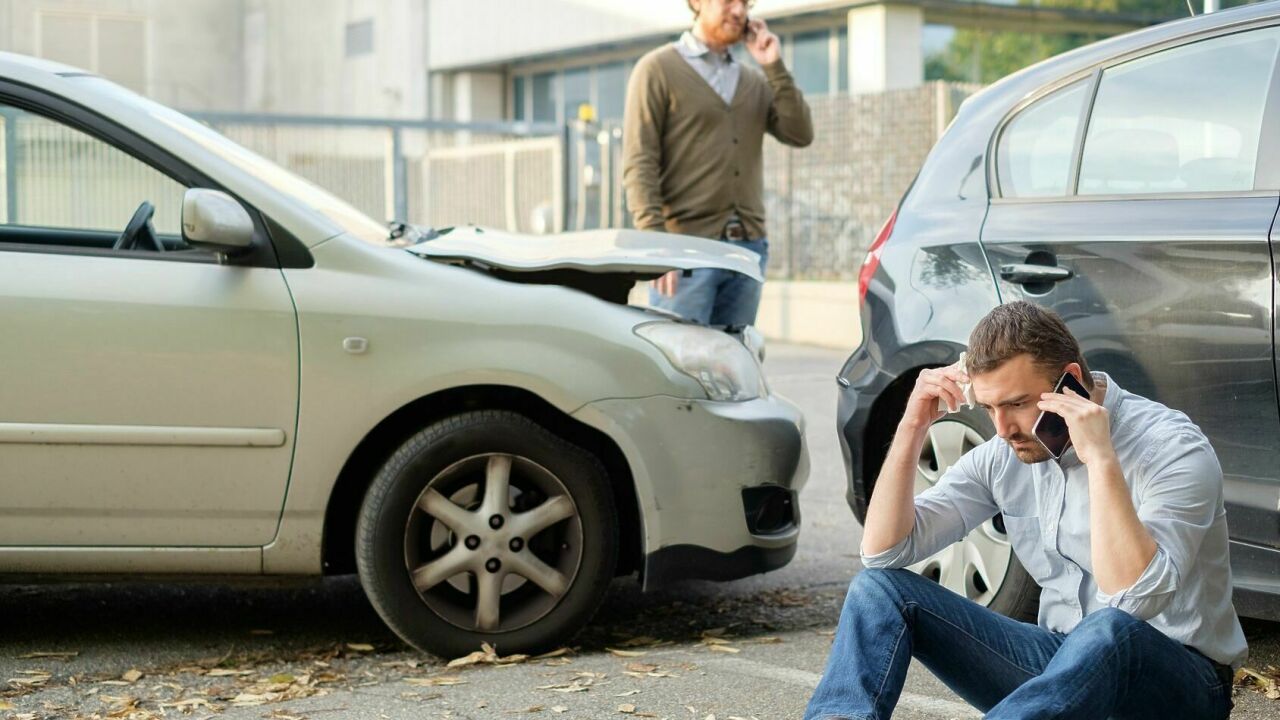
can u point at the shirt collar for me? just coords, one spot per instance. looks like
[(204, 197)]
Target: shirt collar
[(691, 47)]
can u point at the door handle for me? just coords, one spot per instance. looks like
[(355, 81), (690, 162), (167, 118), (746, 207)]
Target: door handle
[(1023, 274)]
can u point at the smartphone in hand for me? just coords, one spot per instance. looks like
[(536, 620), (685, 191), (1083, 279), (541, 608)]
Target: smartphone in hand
[(1050, 429)]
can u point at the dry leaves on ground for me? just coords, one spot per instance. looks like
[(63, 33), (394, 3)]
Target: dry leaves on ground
[(1266, 682), (486, 655)]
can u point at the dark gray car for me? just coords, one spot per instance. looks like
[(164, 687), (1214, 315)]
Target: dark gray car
[(1132, 186)]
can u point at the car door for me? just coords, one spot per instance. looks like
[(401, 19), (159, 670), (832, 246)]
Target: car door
[(1137, 203), (147, 398)]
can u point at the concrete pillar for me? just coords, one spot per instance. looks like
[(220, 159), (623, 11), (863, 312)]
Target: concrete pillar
[(478, 96), (885, 51)]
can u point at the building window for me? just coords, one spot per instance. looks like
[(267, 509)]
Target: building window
[(556, 95), (611, 90), (842, 59), (517, 98), (576, 86), (114, 47), (359, 38), (544, 97), (811, 61)]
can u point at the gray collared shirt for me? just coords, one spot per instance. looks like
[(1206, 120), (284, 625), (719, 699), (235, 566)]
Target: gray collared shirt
[(720, 70), (1176, 485)]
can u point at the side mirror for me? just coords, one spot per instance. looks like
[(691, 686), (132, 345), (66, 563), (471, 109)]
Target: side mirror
[(213, 220)]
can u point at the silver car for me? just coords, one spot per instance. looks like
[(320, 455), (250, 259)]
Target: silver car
[(212, 367)]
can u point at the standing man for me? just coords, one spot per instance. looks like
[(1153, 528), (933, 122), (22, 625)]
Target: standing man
[(1125, 533), (692, 150)]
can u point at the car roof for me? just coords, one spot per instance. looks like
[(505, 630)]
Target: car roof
[(1044, 72)]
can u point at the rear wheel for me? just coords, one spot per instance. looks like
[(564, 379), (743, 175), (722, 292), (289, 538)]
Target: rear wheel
[(982, 566), (486, 527)]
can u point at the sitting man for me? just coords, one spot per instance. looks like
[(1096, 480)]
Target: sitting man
[(1126, 534)]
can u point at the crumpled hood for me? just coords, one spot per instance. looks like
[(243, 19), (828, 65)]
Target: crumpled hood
[(637, 254)]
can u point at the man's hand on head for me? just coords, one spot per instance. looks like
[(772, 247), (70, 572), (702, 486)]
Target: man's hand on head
[(762, 44), (933, 385), (1088, 422)]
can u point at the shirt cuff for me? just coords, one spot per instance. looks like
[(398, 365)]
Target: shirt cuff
[(776, 72), (886, 558), (1143, 598)]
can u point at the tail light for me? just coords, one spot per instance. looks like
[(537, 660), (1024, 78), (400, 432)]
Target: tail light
[(872, 261)]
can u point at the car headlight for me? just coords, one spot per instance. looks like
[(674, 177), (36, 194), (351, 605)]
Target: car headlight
[(724, 367)]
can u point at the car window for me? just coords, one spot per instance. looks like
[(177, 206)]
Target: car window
[(1181, 120), (54, 176), (1036, 146)]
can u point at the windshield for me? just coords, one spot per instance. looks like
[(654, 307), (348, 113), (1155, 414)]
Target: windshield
[(322, 201)]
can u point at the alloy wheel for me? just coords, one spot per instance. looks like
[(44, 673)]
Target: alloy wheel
[(976, 566), (493, 543)]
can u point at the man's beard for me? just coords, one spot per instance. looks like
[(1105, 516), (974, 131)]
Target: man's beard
[(1032, 452), (724, 34)]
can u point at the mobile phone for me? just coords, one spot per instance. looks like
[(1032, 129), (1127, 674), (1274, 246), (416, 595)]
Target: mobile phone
[(1050, 429)]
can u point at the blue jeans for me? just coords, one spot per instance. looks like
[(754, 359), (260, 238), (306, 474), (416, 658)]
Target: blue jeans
[(1112, 665), (717, 297)]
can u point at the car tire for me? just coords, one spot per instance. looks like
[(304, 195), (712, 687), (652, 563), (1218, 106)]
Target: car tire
[(446, 576), (982, 566)]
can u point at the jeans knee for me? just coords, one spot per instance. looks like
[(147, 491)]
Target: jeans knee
[(1105, 627), (873, 586)]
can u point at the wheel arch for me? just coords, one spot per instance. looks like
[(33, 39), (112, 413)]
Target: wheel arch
[(343, 507)]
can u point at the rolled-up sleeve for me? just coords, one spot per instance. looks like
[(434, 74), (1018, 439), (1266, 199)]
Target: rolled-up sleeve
[(1177, 503), (944, 514)]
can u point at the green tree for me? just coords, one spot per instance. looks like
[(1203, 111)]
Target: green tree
[(977, 55)]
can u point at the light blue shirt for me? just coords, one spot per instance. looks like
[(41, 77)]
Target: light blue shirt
[(1176, 486), (720, 70)]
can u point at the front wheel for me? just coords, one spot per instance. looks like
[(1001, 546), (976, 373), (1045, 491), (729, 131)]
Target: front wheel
[(486, 527)]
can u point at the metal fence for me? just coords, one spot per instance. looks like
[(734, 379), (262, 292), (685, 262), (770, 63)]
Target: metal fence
[(824, 203)]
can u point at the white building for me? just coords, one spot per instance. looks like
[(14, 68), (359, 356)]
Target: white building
[(477, 59)]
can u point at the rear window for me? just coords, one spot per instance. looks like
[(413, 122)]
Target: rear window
[(1182, 120), (1034, 154)]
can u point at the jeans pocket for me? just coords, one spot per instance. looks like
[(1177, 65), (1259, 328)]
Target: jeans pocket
[(1024, 536)]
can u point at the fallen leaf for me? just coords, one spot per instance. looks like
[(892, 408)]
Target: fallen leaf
[(187, 705), (723, 649), (768, 640), (438, 681), (224, 672), (639, 641), (42, 655), (628, 693), (6, 706), (641, 667), (132, 676), (282, 678), (533, 709), (553, 654), (559, 709), (360, 647), (627, 709), (626, 653)]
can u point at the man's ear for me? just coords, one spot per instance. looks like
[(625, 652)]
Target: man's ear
[(1078, 374)]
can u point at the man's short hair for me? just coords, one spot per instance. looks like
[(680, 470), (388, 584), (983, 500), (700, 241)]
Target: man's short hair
[(1023, 328)]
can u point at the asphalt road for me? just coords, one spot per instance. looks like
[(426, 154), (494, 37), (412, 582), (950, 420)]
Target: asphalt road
[(747, 649)]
